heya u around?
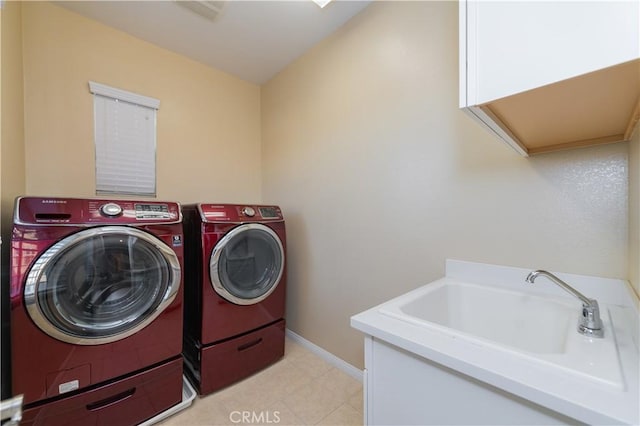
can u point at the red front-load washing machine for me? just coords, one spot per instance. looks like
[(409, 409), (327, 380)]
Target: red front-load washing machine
[(96, 309), (235, 290)]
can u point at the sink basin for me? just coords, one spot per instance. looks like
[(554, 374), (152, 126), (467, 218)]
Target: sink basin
[(526, 322), (539, 328)]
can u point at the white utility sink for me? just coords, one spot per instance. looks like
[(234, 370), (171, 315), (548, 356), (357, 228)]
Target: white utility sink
[(506, 349), (541, 328), (525, 322)]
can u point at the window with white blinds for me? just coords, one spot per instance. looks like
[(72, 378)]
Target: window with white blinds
[(125, 141)]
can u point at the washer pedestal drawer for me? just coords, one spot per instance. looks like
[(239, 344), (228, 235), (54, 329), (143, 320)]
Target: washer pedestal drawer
[(127, 401), (225, 363)]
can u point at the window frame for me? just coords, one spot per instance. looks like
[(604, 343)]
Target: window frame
[(104, 94)]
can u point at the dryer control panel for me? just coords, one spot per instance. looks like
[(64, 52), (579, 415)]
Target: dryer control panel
[(270, 212), (239, 213)]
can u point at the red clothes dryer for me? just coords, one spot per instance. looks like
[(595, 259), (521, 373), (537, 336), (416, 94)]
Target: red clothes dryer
[(235, 290), (96, 309)]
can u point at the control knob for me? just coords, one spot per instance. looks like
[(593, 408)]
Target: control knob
[(111, 210), (248, 211)]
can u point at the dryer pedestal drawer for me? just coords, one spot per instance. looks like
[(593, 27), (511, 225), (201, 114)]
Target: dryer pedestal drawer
[(127, 401), (231, 361)]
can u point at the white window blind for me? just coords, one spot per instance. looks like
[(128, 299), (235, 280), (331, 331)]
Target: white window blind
[(125, 141)]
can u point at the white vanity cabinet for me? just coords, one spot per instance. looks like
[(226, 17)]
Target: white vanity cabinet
[(403, 388), (549, 75)]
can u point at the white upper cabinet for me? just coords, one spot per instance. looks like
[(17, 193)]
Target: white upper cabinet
[(550, 75)]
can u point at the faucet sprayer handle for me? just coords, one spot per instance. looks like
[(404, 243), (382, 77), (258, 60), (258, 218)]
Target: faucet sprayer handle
[(590, 323)]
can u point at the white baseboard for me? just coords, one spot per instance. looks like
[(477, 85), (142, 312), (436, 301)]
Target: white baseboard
[(340, 364)]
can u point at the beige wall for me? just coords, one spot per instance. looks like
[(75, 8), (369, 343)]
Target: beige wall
[(208, 138), (12, 134), (12, 175), (382, 177), (634, 211)]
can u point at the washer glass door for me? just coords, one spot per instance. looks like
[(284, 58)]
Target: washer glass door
[(101, 284), (247, 264)]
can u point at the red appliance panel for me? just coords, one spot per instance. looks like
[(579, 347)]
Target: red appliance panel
[(51, 361), (68, 380), (57, 363), (226, 363), (125, 402), (222, 319)]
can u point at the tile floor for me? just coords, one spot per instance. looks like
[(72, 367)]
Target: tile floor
[(300, 389)]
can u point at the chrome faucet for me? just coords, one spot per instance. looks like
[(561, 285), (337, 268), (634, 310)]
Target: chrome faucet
[(589, 323)]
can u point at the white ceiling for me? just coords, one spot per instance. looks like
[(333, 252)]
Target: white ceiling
[(252, 40)]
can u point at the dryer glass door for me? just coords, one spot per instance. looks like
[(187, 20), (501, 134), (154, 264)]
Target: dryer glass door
[(101, 284), (247, 264)]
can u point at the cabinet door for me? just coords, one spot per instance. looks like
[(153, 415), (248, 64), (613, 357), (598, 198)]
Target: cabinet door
[(514, 46), (551, 75)]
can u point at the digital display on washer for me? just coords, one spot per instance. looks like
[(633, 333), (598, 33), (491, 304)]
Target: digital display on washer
[(152, 211), (268, 212)]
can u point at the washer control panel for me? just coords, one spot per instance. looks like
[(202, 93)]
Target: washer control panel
[(72, 211)]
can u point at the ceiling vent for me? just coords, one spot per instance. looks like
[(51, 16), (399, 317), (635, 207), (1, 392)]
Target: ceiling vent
[(207, 9)]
